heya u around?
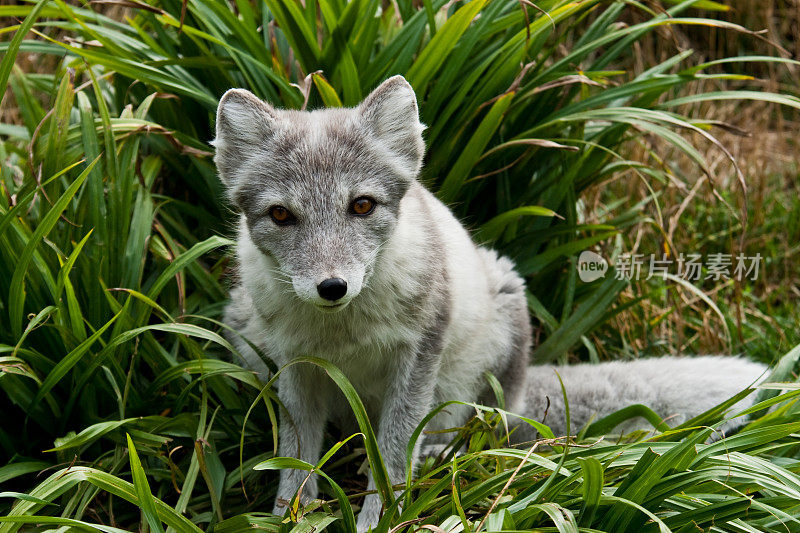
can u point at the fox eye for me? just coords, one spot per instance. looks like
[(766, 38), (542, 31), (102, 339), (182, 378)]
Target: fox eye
[(362, 206), (281, 216)]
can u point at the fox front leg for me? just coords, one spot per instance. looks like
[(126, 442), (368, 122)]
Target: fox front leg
[(408, 400), (301, 431)]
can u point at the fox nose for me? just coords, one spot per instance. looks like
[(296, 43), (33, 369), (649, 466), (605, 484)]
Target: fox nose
[(332, 289)]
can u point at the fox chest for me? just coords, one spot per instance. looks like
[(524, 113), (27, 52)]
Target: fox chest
[(367, 349)]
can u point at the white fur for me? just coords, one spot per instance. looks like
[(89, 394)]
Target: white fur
[(676, 388), (472, 338)]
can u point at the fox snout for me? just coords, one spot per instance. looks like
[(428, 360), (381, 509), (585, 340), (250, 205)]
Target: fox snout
[(332, 289)]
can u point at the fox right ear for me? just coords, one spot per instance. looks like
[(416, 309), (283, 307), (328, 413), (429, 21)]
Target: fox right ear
[(391, 112), (244, 122)]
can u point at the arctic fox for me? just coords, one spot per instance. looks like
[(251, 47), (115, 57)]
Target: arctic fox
[(342, 254)]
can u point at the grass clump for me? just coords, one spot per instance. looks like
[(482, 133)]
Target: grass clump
[(121, 406)]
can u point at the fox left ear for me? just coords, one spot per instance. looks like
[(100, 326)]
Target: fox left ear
[(391, 113)]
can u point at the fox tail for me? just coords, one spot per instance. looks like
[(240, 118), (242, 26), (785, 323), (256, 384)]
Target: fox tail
[(676, 388)]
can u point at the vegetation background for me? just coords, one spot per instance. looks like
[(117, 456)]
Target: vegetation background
[(649, 127)]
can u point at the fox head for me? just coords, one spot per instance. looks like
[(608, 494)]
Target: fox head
[(320, 191)]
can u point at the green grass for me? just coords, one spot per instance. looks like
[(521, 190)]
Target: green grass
[(121, 406), (755, 317)]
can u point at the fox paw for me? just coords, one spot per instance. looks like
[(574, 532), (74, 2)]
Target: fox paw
[(370, 513)]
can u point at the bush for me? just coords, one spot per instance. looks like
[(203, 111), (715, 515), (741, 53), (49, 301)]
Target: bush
[(113, 270)]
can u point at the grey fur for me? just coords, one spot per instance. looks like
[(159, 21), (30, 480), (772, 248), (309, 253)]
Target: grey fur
[(676, 388), (427, 313)]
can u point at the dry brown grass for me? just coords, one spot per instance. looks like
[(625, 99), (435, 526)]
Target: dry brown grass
[(765, 142), (37, 63)]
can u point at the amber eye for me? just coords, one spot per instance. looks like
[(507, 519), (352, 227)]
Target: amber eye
[(281, 216), (362, 206)]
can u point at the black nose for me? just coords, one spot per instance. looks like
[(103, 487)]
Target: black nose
[(332, 289)]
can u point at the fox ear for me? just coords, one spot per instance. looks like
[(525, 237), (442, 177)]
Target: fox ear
[(244, 122), (390, 111)]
